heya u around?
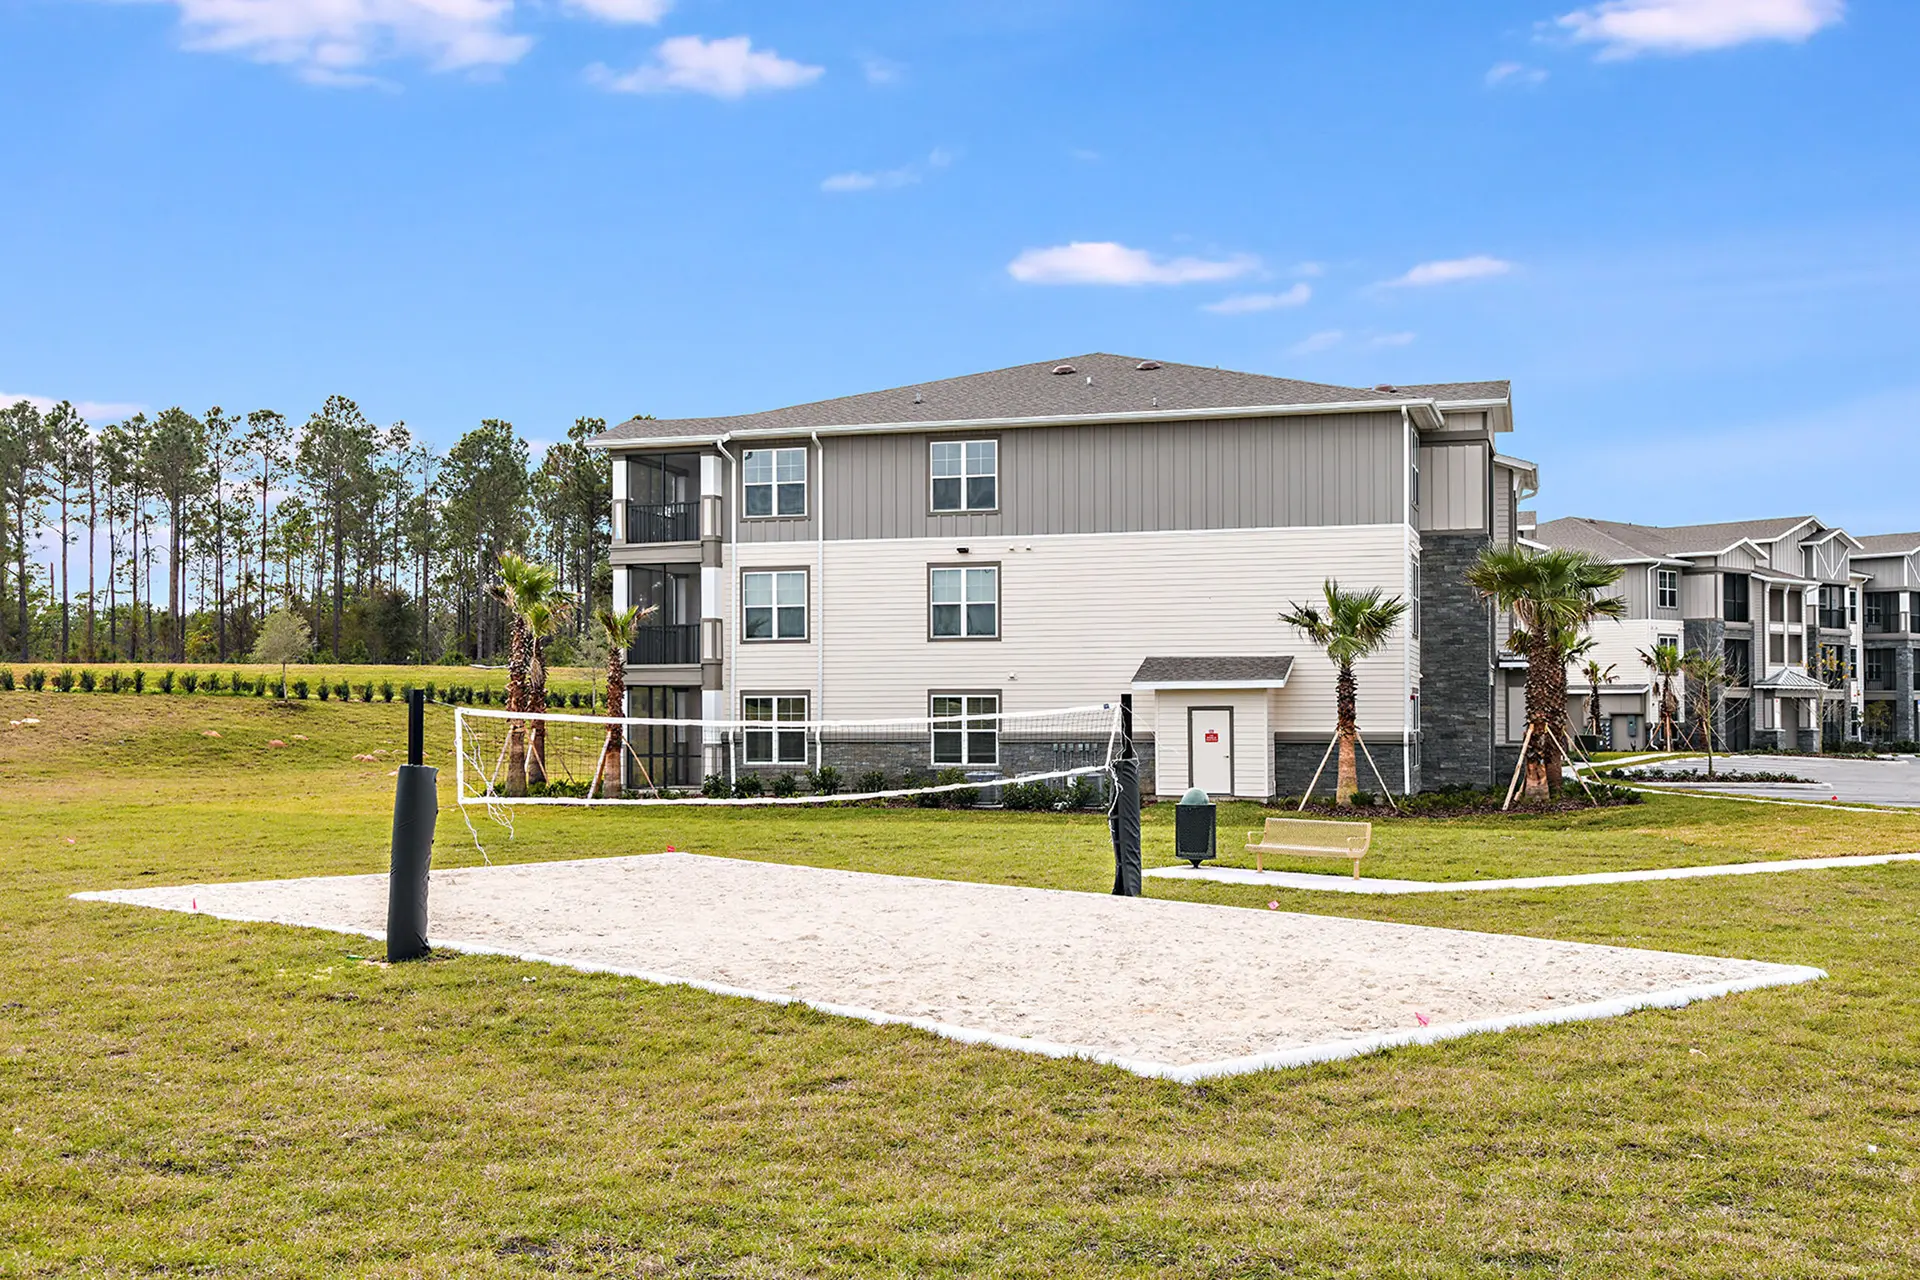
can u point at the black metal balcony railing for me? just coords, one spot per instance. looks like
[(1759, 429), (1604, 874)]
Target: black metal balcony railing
[(663, 522), (668, 645)]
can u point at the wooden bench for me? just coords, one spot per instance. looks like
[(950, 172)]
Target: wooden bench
[(1311, 838)]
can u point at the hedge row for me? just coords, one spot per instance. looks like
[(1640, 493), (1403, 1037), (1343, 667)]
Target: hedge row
[(66, 680)]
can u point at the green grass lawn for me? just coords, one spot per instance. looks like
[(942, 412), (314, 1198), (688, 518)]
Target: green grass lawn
[(185, 1095), (356, 674)]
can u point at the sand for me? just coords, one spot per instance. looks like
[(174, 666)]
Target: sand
[(1163, 988)]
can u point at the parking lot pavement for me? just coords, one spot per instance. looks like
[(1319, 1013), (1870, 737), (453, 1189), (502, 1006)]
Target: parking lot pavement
[(1893, 781)]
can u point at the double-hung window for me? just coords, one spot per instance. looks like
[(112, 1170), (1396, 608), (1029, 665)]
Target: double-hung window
[(966, 728), (775, 481), (775, 604), (1666, 588), (965, 603), (775, 731), (966, 475)]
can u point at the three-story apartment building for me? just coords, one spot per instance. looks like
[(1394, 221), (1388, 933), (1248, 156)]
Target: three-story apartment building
[(1057, 534), (1890, 634), (1778, 599)]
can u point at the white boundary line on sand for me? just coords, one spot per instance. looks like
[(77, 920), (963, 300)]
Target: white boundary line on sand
[(1342, 884), (1776, 975)]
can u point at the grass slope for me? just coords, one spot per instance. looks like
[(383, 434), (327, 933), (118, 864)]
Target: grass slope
[(180, 1094)]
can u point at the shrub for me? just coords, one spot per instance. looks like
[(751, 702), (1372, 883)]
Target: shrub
[(6, 679), (299, 689), (386, 691), (824, 781), (747, 785), (1082, 792), (1031, 796), (366, 692), (241, 686), (63, 681), (190, 681), (714, 787), (260, 687), (343, 691), (139, 680), (871, 780), (325, 691), (785, 784), (36, 680), (86, 681), (167, 681), (113, 682), (213, 682), (1363, 799), (963, 798)]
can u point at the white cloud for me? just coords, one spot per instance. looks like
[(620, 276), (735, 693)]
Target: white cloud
[(888, 179), (1392, 339), (1626, 28), (1514, 73), (725, 68), (1310, 270), (880, 71), (1450, 270), (1244, 303), (94, 411), (333, 41), (1325, 340), (1107, 262), (643, 12)]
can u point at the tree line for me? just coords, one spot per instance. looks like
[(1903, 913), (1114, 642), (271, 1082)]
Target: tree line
[(194, 527)]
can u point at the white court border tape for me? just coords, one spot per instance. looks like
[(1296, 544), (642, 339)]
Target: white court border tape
[(1187, 1073)]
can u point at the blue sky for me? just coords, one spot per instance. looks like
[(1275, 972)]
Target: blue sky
[(1686, 229)]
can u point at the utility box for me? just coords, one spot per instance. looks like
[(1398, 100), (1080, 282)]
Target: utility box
[(1195, 827)]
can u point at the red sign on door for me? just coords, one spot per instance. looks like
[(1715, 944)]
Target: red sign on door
[(1213, 735)]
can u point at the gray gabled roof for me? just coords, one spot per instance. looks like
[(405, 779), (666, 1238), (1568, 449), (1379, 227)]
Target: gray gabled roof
[(1099, 384), (1888, 544), (1787, 680), (1618, 540), (1449, 391), (1262, 670)]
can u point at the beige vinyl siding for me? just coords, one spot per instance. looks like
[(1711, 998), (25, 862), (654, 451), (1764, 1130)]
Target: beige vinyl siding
[(1453, 487), (1618, 643), (1700, 595), (1233, 473), (1078, 613), (1467, 420)]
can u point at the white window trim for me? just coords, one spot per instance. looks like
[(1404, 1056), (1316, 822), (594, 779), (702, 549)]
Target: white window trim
[(999, 626), (774, 732), (964, 509), (1661, 577), (965, 719), (805, 483), (806, 606)]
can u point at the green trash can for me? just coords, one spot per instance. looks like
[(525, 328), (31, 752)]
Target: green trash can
[(1195, 828)]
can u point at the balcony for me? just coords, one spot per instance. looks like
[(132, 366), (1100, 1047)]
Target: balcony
[(662, 522), (670, 645)]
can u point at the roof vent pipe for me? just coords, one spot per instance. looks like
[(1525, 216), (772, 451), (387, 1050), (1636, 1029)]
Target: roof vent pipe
[(1062, 368)]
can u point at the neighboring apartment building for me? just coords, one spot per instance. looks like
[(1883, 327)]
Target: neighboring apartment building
[(1061, 533), (1890, 634), (1778, 599)]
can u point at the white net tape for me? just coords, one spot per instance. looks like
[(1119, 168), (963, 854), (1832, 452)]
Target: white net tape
[(505, 757)]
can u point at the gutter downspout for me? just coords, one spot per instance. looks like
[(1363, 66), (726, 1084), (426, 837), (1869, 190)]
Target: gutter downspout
[(819, 624), (1406, 573)]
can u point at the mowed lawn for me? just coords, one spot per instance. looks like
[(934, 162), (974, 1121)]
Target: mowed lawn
[(187, 1095)]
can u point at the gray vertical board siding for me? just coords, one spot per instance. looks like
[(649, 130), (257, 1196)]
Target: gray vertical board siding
[(1234, 473), (1636, 584), (1453, 487), (774, 528)]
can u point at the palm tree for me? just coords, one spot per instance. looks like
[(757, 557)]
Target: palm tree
[(1352, 625), (543, 618), (1706, 678), (1553, 595), (619, 627), (1666, 665), (1596, 675), (522, 585)]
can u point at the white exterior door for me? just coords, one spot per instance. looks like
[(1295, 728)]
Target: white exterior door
[(1210, 749)]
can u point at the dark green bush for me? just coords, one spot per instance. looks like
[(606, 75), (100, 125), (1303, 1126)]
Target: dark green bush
[(300, 689), (747, 785), (871, 780), (1083, 792), (6, 679), (213, 682), (189, 681), (824, 781), (714, 787), (63, 682), (167, 681), (36, 680), (87, 681), (386, 691), (139, 680), (324, 691), (784, 785)]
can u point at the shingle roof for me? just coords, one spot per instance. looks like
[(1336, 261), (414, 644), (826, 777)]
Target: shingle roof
[(1444, 391), (1889, 544), (1608, 537), (1119, 384), (1271, 669)]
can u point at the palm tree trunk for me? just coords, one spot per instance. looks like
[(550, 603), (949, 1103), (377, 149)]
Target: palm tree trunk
[(1534, 785), (1347, 780), (610, 780), (517, 701), (537, 702)]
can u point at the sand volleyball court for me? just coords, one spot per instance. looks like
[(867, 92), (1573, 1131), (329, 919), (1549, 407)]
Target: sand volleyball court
[(1176, 989)]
